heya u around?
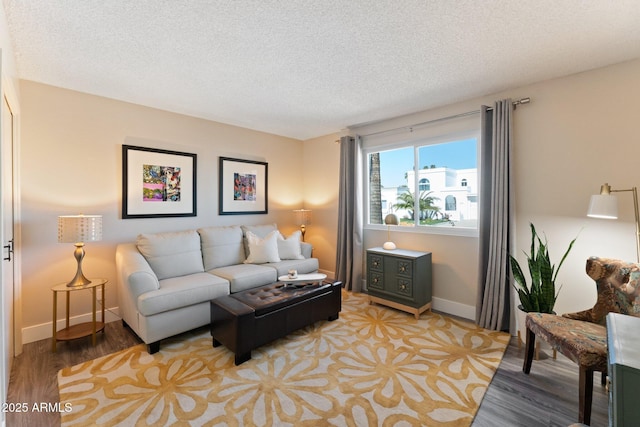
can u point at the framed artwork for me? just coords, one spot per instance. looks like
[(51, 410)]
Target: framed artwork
[(243, 187), (157, 183)]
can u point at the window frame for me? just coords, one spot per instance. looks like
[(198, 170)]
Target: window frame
[(417, 143)]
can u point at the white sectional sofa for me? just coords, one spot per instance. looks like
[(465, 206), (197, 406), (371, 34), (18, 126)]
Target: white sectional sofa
[(166, 280)]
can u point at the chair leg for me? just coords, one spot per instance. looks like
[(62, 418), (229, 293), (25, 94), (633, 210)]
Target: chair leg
[(528, 351), (585, 395)]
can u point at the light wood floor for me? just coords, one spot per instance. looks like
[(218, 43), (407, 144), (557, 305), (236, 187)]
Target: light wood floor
[(548, 396)]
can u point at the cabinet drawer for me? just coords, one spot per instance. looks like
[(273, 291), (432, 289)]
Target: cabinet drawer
[(375, 280), (404, 287), (403, 268), (376, 263)]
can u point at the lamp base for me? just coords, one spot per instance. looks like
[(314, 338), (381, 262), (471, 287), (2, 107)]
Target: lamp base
[(79, 279), (389, 246)]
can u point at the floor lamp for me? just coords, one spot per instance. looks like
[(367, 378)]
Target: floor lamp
[(604, 205), (303, 218)]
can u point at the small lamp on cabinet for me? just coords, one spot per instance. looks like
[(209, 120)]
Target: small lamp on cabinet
[(389, 220)]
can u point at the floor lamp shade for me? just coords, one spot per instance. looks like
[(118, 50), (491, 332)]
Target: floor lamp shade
[(603, 206), (79, 229)]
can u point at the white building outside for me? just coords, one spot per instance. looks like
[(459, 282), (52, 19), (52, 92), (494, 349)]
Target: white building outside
[(455, 190)]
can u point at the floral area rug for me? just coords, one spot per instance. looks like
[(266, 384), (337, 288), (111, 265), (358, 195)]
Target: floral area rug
[(374, 366)]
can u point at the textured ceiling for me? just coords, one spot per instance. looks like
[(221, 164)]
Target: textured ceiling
[(305, 68)]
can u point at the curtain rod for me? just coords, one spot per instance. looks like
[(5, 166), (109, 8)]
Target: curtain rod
[(442, 119)]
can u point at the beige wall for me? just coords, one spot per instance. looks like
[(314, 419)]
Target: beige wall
[(321, 163), (578, 132), (71, 163)]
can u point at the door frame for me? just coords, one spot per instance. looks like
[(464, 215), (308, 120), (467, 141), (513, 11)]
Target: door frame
[(9, 93)]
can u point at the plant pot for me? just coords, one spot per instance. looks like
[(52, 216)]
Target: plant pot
[(521, 317)]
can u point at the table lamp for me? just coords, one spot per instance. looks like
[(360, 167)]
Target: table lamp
[(78, 229), (390, 219), (604, 205), (303, 218)]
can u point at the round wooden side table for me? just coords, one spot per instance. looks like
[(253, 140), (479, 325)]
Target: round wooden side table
[(71, 332)]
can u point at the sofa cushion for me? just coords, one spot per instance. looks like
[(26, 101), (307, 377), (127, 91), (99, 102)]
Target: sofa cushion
[(245, 276), (262, 250), (172, 254), (290, 248), (259, 230), (178, 292), (221, 246)]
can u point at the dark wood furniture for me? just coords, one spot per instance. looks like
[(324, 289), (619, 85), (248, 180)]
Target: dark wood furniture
[(246, 320), (400, 279)]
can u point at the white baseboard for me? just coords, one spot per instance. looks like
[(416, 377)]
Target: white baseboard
[(45, 330), (330, 274), (448, 307), (454, 308)]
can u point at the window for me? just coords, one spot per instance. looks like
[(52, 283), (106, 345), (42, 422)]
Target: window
[(450, 203), (443, 171)]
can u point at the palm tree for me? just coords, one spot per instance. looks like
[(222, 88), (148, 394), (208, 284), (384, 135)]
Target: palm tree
[(375, 197), (425, 204)]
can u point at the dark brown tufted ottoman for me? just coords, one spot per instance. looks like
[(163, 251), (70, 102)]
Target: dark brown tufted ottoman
[(248, 319)]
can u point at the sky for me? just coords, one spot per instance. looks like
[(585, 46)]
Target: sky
[(455, 155)]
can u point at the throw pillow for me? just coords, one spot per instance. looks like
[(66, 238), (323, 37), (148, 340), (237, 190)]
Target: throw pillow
[(262, 250), (289, 248), (258, 230)]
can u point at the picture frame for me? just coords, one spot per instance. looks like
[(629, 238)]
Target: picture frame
[(243, 187), (158, 183)]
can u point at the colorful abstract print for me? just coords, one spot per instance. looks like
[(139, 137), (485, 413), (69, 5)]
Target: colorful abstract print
[(160, 183), (244, 187)]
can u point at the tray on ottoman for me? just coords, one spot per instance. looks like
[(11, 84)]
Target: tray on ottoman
[(246, 320)]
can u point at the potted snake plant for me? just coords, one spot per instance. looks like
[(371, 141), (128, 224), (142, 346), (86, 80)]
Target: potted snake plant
[(540, 295)]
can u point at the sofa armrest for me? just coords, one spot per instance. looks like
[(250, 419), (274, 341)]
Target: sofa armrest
[(135, 275), (306, 249)]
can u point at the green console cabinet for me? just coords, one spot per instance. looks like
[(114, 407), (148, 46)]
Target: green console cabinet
[(400, 279), (623, 350)]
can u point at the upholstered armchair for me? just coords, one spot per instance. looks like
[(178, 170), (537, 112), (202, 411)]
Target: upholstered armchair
[(582, 336)]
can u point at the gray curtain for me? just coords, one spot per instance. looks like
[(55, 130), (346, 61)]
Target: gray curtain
[(493, 308), (349, 245)]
